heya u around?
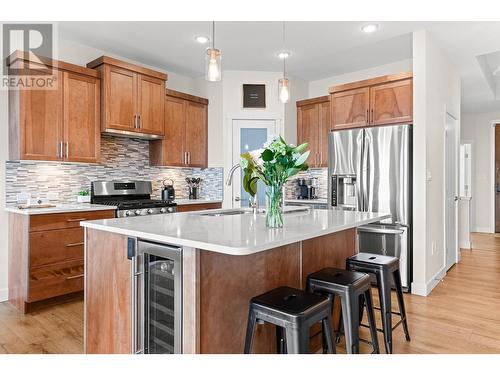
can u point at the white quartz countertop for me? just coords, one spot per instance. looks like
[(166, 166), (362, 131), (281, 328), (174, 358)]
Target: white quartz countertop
[(182, 202), (308, 201), (59, 209), (242, 234)]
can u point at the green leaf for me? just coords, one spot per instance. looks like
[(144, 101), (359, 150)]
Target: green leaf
[(301, 148), (302, 159), (267, 155), (253, 186)]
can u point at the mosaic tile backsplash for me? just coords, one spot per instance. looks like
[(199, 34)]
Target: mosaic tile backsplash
[(122, 159), (320, 173)]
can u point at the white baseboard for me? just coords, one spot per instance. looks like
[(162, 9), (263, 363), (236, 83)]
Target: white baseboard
[(483, 230), (465, 245), (424, 289), (4, 294)]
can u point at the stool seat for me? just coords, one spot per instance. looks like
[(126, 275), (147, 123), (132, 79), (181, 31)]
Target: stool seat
[(293, 312), (339, 278), (290, 301), (373, 260)]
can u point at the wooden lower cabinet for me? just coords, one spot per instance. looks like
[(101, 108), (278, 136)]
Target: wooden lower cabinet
[(198, 207), (46, 255)]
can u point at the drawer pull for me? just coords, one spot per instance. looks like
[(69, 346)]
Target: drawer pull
[(75, 244), (74, 277), (75, 220)]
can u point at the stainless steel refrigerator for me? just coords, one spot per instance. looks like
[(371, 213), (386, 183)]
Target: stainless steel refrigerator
[(370, 170)]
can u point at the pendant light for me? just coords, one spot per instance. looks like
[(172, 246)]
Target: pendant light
[(213, 60), (284, 83)]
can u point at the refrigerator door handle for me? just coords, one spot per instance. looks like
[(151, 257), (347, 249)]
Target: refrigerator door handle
[(380, 231)]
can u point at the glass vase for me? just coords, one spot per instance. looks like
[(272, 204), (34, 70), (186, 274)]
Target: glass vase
[(274, 212)]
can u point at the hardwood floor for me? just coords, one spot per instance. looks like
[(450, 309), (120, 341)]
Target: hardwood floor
[(460, 316)]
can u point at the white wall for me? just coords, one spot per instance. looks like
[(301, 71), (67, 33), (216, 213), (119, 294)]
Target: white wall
[(477, 130), (4, 153), (320, 87), (436, 91)]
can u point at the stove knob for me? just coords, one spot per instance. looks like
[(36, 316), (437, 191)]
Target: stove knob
[(127, 213), (150, 211), (163, 210), (170, 209), (137, 212)]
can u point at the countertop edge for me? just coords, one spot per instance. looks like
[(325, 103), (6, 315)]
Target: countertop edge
[(238, 251), (57, 210)]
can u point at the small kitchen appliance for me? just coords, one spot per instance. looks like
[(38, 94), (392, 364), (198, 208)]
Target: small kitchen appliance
[(168, 191), (306, 188), (132, 198)]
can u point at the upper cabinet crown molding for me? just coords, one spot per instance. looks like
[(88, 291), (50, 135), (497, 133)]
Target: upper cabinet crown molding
[(371, 82), (132, 99), (57, 124)]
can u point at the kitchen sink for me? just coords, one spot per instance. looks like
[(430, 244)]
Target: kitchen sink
[(288, 210), (225, 213)]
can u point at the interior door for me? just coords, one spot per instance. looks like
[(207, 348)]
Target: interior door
[(41, 119), (121, 99), (308, 131), (81, 118), (497, 178), (151, 104), (249, 135), (451, 184), (196, 134)]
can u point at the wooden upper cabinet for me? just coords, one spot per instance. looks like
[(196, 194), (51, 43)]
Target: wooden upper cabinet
[(60, 123), (350, 108), (132, 98), (196, 134), (313, 127), (120, 98), (38, 122), (391, 103), (151, 103), (186, 132), (81, 118), (377, 101)]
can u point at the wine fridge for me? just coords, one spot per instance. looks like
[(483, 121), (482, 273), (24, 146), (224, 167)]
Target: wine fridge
[(157, 298)]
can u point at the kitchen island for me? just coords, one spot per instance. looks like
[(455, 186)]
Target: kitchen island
[(228, 256)]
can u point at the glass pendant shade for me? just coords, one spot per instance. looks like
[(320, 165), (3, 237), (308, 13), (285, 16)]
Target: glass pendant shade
[(213, 65), (284, 90)]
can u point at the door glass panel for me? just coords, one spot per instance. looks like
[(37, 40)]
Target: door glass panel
[(252, 139), (161, 306)]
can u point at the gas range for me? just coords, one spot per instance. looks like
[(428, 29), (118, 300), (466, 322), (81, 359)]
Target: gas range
[(131, 198)]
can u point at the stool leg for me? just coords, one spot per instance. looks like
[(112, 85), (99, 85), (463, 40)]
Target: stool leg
[(384, 291), (361, 307), (250, 331), (371, 320), (350, 313), (280, 340), (327, 334), (297, 340), (401, 303)]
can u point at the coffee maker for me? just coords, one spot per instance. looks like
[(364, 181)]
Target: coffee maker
[(306, 188)]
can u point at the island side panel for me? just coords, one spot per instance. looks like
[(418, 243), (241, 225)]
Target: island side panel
[(108, 277), (228, 282), (326, 251)]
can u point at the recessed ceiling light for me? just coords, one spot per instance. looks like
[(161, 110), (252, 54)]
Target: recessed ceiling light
[(284, 54), (202, 39), (370, 28)]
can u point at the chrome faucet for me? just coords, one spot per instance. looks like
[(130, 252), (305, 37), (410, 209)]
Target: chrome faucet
[(253, 201)]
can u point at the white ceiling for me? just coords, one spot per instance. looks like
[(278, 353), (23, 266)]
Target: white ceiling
[(319, 49)]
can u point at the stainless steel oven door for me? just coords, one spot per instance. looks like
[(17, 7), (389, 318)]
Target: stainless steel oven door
[(391, 240)]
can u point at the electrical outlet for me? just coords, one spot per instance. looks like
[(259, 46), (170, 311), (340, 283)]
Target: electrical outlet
[(53, 196), (23, 197)]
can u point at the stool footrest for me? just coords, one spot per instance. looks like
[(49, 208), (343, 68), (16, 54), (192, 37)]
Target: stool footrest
[(392, 312)]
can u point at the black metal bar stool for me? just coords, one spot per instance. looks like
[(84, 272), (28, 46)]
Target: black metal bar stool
[(351, 287), (385, 268), (293, 312)]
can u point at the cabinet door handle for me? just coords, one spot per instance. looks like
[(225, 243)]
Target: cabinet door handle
[(75, 277), (59, 150), (135, 121), (67, 150), (75, 220), (189, 157), (139, 121), (74, 244), (371, 121), (367, 116)]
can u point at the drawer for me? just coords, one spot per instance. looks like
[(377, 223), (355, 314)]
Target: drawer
[(198, 207), (55, 280), (55, 246), (66, 220)]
